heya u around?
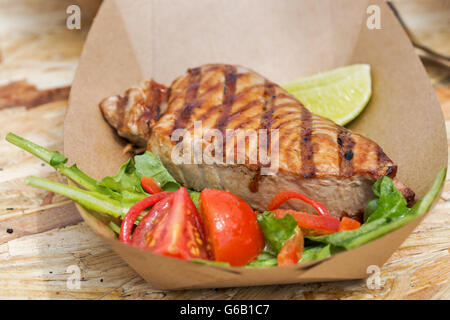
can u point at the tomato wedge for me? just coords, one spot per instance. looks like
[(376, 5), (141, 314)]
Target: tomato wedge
[(292, 250), (231, 227), (284, 196), (311, 224), (149, 221), (150, 185), (135, 211), (173, 229), (348, 224)]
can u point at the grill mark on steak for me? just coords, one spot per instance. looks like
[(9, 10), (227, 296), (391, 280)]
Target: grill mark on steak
[(266, 122), (345, 150), (306, 147), (268, 109), (152, 107), (190, 99), (366, 164), (390, 171), (229, 91), (121, 104)]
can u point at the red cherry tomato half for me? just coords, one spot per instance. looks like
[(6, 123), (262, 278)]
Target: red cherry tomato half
[(135, 211), (173, 229), (150, 220), (231, 227), (348, 224), (311, 224), (150, 185), (292, 250)]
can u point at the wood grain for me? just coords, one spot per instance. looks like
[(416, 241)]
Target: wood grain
[(48, 236)]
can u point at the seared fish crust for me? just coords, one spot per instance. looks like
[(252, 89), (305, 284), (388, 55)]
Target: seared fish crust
[(325, 161)]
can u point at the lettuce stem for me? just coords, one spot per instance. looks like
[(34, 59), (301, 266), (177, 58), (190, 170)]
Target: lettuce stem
[(56, 160), (88, 199), (49, 156)]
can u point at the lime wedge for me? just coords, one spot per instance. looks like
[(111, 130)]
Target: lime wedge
[(339, 95)]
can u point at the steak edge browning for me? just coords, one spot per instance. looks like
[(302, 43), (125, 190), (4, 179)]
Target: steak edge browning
[(327, 162)]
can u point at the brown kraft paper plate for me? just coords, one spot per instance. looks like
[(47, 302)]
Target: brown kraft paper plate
[(282, 40)]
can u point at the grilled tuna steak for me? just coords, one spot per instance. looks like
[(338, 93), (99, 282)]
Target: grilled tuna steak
[(327, 162)]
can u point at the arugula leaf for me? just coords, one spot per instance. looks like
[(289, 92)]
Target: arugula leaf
[(370, 208), (265, 259), (276, 230), (126, 179), (148, 165), (114, 227), (391, 203), (316, 252), (52, 157), (89, 199), (390, 214), (195, 196)]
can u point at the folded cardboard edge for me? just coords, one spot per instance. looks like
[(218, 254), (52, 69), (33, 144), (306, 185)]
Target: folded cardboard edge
[(172, 284)]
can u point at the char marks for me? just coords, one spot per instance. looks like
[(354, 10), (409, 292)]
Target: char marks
[(229, 92), (306, 147), (121, 104), (267, 112), (265, 124), (190, 99), (152, 110), (383, 167), (345, 150)]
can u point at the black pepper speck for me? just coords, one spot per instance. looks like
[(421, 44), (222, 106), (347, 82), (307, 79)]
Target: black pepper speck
[(348, 155)]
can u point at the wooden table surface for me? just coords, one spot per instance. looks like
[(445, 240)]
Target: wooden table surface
[(42, 235)]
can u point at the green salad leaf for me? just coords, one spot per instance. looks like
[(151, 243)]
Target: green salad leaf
[(316, 252), (390, 204), (264, 259), (390, 214), (148, 165), (276, 230), (126, 179), (195, 196), (112, 195)]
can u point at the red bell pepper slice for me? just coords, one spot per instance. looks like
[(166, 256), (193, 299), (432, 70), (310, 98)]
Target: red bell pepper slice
[(348, 224), (311, 224), (284, 196)]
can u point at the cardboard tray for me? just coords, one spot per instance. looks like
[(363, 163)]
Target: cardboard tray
[(281, 39)]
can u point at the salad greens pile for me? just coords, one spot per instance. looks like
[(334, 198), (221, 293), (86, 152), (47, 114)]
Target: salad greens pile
[(114, 196), (386, 212)]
